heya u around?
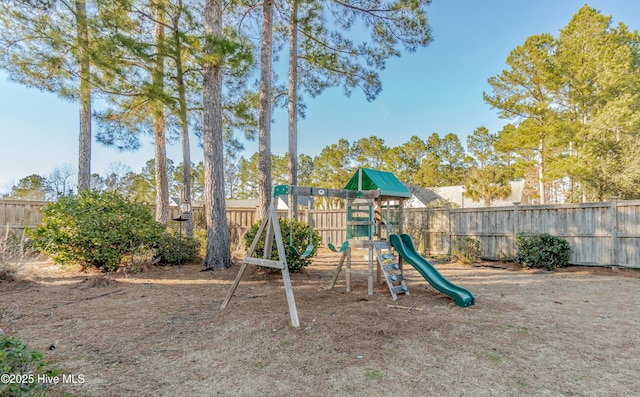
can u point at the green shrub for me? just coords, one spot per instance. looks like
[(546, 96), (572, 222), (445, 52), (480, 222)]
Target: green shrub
[(96, 229), (172, 247), (17, 359), (300, 238), (466, 250), (542, 251)]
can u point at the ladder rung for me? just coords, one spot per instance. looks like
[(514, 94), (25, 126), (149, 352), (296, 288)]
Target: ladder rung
[(400, 289), (391, 267), (396, 277)]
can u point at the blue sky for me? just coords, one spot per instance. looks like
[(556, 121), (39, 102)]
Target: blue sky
[(436, 89)]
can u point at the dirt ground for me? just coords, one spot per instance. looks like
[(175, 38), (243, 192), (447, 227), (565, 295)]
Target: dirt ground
[(161, 332)]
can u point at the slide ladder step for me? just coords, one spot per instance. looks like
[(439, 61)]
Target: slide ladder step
[(400, 289), (391, 269)]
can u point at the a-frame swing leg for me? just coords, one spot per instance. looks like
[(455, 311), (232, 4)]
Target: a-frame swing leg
[(250, 252), (288, 289), (232, 290), (270, 222)]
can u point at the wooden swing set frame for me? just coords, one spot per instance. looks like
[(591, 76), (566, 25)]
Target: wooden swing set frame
[(271, 227)]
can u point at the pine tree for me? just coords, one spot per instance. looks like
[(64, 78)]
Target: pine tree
[(487, 184), (264, 134), (218, 253), (46, 45), (527, 92), (601, 96)]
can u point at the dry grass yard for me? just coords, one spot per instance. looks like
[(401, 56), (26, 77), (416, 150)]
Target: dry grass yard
[(161, 332)]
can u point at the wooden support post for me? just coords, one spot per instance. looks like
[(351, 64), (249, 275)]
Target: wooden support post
[(232, 290), (370, 272), (400, 231), (275, 226), (516, 227), (347, 275), (336, 273), (255, 241), (272, 226), (268, 241), (614, 232), (450, 242), (288, 289)]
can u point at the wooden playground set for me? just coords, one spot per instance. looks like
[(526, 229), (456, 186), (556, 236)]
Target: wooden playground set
[(374, 201)]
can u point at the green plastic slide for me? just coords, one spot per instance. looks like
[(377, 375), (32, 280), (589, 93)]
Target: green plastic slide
[(405, 247)]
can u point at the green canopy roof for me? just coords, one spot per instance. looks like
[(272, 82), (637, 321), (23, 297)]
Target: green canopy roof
[(386, 182)]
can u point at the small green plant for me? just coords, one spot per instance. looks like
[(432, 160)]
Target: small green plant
[(521, 330), (20, 367), (493, 356), (466, 250), (172, 248), (542, 251), (95, 229), (300, 239), (373, 375), (263, 363)]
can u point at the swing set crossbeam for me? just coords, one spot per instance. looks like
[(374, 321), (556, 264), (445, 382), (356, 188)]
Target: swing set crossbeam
[(307, 191)]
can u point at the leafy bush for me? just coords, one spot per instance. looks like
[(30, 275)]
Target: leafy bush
[(300, 238), (542, 251), (96, 229), (466, 250), (171, 247), (17, 359)]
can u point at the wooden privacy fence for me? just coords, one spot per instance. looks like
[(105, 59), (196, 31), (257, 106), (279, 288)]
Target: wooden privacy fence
[(15, 215), (606, 233)]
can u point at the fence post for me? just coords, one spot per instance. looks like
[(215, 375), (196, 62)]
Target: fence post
[(450, 242), (516, 226), (614, 231)]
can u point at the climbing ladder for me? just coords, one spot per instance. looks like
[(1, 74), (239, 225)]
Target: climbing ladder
[(391, 269)]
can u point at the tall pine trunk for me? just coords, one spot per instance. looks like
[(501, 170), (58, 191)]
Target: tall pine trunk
[(218, 248), (162, 178), (293, 107), (84, 72), (541, 153), (264, 133), (161, 173), (186, 150)]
